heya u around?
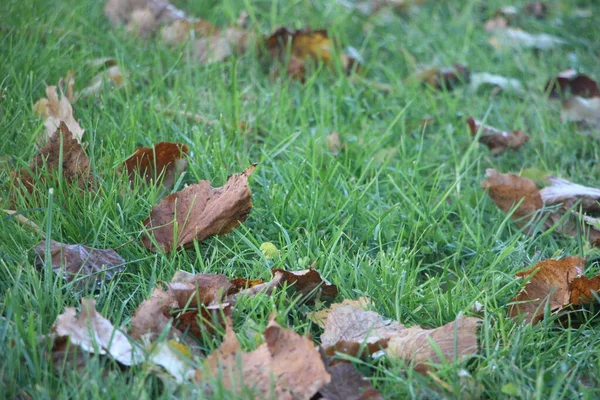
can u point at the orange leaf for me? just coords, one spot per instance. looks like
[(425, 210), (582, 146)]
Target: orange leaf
[(151, 163)]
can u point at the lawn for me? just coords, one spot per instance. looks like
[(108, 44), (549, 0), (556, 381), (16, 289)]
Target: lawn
[(399, 215)]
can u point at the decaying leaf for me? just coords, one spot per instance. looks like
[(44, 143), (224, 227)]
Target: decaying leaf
[(165, 160), (304, 45), (496, 140), (514, 38), (54, 111), (287, 366), (198, 212), (570, 83), (442, 77), (496, 82), (351, 330), (69, 158), (507, 191), (87, 266), (346, 383), (94, 334), (549, 280)]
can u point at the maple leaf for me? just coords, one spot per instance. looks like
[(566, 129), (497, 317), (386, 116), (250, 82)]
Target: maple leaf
[(198, 212), (304, 45), (151, 163), (351, 330), (55, 111), (496, 140), (549, 280), (87, 266), (287, 366), (69, 158)]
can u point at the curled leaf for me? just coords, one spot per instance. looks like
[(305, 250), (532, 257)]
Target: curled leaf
[(496, 140), (166, 160), (55, 111)]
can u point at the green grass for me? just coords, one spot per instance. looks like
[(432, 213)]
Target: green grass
[(414, 231)]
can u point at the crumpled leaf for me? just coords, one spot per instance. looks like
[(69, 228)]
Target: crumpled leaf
[(305, 45), (94, 334), (198, 212), (286, 367), (351, 330), (497, 82), (75, 165), (55, 111), (507, 191), (514, 38), (549, 280), (496, 140), (87, 265), (346, 383), (442, 77), (112, 75), (166, 160), (570, 83)]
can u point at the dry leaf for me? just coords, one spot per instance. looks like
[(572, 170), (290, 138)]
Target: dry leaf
[(319, 317), (570, 83), (497, 82), (334, 143), (496, 140), (346, 383), (561, 191), (55, 111), (514, 38), (441, 78), (286, 367), (113, 75), (349, 330), (578, 109), (550, 280), (142, 16), (305, 45), (456, 340), (151, 163), (198, 212), (507, 190), (88, 266), (25, 221), (181, 30), (75, 166)]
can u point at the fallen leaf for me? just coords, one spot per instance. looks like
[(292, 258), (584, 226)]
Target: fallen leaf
[(562, 191), (165, 160), (54, 111), (70, 159), (457, 340), (514, 38), (319, 317), (496, 140), (286, 367), (304, 45), (442, 77), (87, 266), (570, 83), (181, 30), (346, 383), (334, 143), (497, 83), (142, 17), (579, 109), (198, 212), (549, 280), (352, 331), (508, 191), (113, 75)]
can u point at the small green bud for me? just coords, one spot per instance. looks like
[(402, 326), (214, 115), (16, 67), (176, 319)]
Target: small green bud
[(269, 250)]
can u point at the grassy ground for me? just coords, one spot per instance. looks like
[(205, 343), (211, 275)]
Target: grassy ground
[(413, 231)]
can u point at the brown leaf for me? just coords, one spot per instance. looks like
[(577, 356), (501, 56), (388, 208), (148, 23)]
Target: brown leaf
[(95, 334), (75, 164), (198, 212), (334, 143), (496, 140), (319, 317), (181, 30), (456, 340), (349, 330), (112, 75), (142, 16), (550, 280), (87, 265), (346, 383), (55, 111), (507, 190), (151, 163), (441, 78), (153, 316), (570, 83), (583, 289), (286, 367), (305, 45), (581, 110), (562, 191)]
